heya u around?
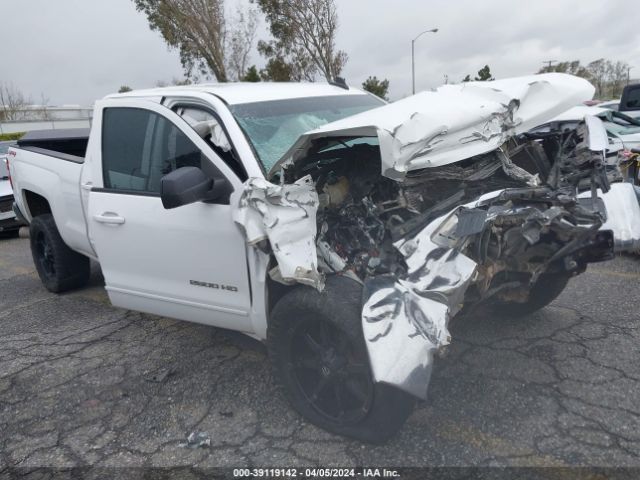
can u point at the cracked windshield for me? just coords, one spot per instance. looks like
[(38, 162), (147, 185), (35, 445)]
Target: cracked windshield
[(273, 127)]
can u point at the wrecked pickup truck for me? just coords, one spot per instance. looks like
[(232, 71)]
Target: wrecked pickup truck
[(345, 232)]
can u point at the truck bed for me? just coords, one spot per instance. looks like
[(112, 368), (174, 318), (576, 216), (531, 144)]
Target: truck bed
[(46, 169), (67, 144)]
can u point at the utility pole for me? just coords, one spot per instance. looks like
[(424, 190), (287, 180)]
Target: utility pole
[(413, 57), (629, 75), (549, 63)]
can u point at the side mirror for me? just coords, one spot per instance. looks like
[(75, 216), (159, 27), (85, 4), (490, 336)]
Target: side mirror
[(188, 185)]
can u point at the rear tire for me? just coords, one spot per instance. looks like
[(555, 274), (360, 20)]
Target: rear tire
[(60, 268), (320, 361), (548, 287)]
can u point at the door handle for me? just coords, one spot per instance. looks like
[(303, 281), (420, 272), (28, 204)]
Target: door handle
[(109, 218)]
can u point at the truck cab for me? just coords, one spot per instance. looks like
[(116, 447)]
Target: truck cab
[(190, 263)]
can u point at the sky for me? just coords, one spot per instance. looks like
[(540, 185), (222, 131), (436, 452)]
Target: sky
[(76, 51)]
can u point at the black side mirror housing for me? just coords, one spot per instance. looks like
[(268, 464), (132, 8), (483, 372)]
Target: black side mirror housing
[(188, 185)]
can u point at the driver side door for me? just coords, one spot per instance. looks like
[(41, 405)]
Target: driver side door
[(187, 263)]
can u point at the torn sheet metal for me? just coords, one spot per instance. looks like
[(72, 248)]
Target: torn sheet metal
[(455, 122), (516, 172), (623, 216), (405, 321), (598, 139), (285, 215)]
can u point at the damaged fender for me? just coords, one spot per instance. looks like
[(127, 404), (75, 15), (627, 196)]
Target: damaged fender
[(285, 215), (405, 320)]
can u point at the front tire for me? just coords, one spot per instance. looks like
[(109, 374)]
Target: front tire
[(60, 268), (320, 360), (548, 287)]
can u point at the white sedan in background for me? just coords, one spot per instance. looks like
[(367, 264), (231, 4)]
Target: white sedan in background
[(623, 130), (611, 105)]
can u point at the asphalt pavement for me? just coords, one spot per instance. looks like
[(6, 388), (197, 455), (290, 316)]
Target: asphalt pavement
[(84, 383)]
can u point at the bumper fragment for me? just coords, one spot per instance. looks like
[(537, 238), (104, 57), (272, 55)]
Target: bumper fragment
[(623, 216)]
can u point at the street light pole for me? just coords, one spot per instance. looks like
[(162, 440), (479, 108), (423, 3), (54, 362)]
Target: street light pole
[(413, 66), (413, 57)]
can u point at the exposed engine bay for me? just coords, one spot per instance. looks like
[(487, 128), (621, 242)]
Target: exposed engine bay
[(536, 224), (436, 203), (482, 229)]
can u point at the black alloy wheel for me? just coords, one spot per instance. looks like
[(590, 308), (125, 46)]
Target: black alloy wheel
[(321, 362), (60, 268), (45, 255), (331, 372)]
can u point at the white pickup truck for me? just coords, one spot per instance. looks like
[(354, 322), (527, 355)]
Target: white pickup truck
[(343, 231)]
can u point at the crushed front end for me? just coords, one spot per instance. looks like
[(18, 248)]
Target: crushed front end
[(477, 231), (426, 243)]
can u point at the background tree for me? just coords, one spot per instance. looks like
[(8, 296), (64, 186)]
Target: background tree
[(43, 110), (240, 43), (598, 75), (208, 43), (617, 79), (282, 67), (125, 89), (572, 67), (467, 78), (174, 82), (377, 87), (304, 39), (484, 74), (252, 75), (607, 76), (12, 103), (180, 82), (279, 69)]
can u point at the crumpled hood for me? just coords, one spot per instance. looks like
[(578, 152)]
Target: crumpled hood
[(455, 122)]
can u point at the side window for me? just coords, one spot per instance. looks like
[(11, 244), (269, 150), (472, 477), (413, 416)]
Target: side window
[(139, 147)]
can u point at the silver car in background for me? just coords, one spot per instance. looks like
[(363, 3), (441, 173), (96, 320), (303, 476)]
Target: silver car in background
[(9, 225)]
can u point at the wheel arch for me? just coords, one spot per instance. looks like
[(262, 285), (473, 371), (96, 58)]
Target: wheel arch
[(275, 291), (36, 204)]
